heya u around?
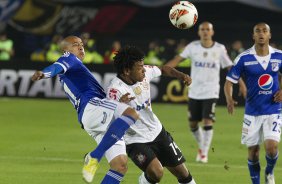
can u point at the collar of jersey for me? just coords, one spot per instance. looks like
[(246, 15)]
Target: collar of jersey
[(118, 76), (253, 50)]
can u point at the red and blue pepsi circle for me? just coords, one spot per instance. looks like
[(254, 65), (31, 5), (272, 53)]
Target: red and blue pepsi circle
[(265, 81)]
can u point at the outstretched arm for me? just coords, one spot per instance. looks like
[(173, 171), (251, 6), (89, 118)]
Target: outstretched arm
[(48, 72), (174, 62), (228, 90), (172, 72)]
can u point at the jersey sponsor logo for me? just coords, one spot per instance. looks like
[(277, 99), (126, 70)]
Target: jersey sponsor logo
[(275, 61), (113, 93), (204, 64), (251, 63), (265, 81), (146, 104)]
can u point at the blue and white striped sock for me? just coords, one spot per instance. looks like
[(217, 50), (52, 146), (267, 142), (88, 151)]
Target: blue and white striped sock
[(114, 133), (112, 177)]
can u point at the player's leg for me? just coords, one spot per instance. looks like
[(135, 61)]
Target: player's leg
[(124, 116), (97, 118), (144, 158), (171, 157), (208, 120), (117, 159), (272, 133), (182, 174), (251, 137), (194, 117), (254, 164)]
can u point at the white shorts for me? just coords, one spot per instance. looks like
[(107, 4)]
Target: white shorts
[(97, 117), (259, 128)]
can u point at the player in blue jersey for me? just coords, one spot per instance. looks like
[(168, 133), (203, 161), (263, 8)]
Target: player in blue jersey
[(104, 120), (260, 65)]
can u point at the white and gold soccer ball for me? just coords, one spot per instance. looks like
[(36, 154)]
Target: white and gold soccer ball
[(183, 15)]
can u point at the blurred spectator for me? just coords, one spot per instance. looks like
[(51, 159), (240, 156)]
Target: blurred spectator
[(180, 47), (38, 55), (91, 54), (6, 47), (54, 52), (169, 48), (154, 54), (109, 54), (236, 49), (274, 45)]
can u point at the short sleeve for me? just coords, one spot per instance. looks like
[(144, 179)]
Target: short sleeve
[(225, 60), (235, 72), (186, 53), (152, 71)]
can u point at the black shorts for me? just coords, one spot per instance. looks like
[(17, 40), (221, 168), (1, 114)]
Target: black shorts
[(163, 147), (199, 109)]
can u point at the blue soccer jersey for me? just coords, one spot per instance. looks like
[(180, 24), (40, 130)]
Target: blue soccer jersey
[(78, 82), (262, 82)]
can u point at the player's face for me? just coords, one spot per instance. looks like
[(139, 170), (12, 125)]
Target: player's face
[(261, 34), (205, 31), (137, 73), (76, 47)]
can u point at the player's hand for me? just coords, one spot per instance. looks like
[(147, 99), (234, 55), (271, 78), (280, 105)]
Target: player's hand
[(278, 96), (231, 105), (125, 98), (186, 80), (37, 76)]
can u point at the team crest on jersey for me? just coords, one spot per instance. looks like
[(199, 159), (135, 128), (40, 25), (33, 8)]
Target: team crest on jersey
[(265, 81), (137, 90), (274, 67), (205, 54), (141, 158)]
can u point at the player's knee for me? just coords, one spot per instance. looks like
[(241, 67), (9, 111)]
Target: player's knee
[(119, 164), (271, 148), (156, 174), (131, 112), (272, 151)]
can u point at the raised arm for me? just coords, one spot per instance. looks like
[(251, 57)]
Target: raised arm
[(48, 72), (228, 91), (172, 72), (174, 62)]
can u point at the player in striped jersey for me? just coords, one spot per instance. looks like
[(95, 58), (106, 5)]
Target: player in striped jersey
[(104, 120), (261, 66)]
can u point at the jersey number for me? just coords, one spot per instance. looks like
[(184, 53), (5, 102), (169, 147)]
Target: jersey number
[(275, 127), (174, 147)]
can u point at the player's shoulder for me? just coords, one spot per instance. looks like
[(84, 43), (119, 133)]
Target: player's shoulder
[(244, 56), (195, 43), (116, 83), (67, 56), (219, 45), (277, 51)]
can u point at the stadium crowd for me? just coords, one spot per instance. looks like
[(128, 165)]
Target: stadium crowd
[(158, 52)]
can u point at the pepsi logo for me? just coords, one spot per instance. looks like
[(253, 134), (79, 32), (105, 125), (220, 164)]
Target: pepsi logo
[(265, 81)]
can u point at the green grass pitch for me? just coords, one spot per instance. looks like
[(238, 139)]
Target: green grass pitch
[(41, 142)]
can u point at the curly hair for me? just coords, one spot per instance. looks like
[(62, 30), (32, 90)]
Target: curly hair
[(126, 58)]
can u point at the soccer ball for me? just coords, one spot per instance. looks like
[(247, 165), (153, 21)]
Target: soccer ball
[(183, 15)]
